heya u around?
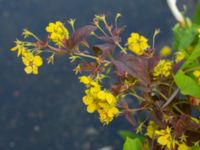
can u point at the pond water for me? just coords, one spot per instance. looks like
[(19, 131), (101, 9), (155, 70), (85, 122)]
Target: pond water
[(45, 112)]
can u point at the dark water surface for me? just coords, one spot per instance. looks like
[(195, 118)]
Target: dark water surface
[(45, 112)]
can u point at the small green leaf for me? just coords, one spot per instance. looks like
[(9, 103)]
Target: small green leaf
[(187, 85), (195, 147), (124, 134), (197, 14), (195, 54), (132, 144), (183, 37)]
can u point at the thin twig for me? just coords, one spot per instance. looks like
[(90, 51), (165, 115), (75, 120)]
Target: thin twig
[(171, 98)]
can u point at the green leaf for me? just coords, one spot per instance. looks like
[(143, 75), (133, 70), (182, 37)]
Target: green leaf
[(195, 54), (132, 144), (124, 134), (187, 85), (183, 37), (195, 147), (197, 14)]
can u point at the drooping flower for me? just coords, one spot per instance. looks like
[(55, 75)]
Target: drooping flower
[(31, 62), (162, 69), (58, 32), (179, 56), (137, 43), (151, 128), (197, 75), (19, 47), (165, 51), (165, 138), (99, 100)]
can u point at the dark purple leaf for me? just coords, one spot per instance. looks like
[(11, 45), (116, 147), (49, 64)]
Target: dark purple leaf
[(135, 66), (80, 35), (106, 49), (118, 31)]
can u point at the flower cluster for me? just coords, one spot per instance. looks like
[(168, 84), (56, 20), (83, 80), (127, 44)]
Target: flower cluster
[(99, 100), (58, 32), (197, 75), (137, 43), (30, 60), (165, 138), (146, 76), (162, 69)]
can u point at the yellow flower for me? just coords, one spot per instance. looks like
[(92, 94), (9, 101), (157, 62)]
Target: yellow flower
[(58, 32), (165, 51), (106, 116), (31, 62), (84, 79), (179, 56), (20, 48), (197, 75), (101, 95), (165, 138), (99, 100), (137, 43), (151, 129), (162, 69), (183, 146), (91, 108)]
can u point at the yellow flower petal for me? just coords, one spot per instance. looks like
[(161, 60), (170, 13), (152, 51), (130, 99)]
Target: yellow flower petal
[(183, 146), (25, 61), (37, 61), (35, 69), (14, 48), (163, 140), (179, 56), (28, 69), (87, 100), (91, 108), (84, 79), (110, 98), (101, 95)]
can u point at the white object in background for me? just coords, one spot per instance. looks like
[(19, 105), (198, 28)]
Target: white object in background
[(175, 11)]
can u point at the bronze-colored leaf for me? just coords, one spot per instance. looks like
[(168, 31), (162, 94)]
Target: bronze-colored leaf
[(106, 49), (80, 35), (153, 61), (184, 123), (108, 39), (135, 66), (91, 67), (118, 31)]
